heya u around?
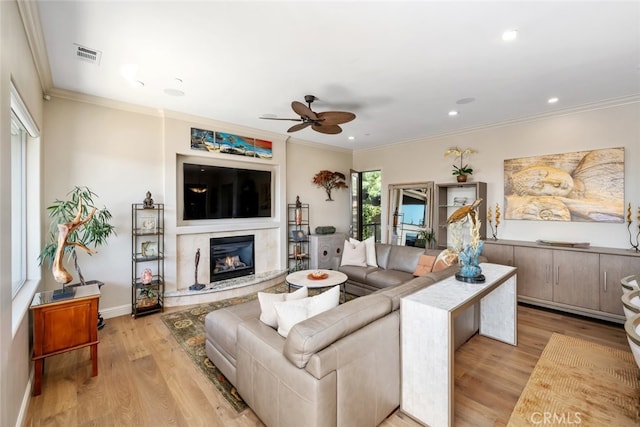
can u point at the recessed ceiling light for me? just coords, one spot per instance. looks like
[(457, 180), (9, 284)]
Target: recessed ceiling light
[(453, 113), (137, 83), (351, 138), (510, 35), (552, 100)]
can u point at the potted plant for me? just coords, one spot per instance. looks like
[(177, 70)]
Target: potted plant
[(426, 238), (147, 297), (460, 172), (75, 223)]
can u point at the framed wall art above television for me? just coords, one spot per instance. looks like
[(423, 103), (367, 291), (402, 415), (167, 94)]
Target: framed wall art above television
[(579, 186), (228, 143)]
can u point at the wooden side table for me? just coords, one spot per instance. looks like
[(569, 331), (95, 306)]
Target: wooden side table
[(63, 325)]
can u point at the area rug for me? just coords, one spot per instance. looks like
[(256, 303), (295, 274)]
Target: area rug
[(187, 327), (577, 382)]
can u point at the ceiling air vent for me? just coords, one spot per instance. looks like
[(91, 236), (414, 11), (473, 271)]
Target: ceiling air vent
[(87, 54)]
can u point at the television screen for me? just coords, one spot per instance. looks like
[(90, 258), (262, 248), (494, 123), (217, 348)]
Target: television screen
[(215, 192)]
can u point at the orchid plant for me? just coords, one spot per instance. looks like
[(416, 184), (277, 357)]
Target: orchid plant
[(460, 170)]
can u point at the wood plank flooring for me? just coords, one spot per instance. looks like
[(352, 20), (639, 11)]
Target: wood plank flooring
[(146, 379)]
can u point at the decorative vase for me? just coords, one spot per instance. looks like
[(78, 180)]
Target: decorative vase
[(461, 178), (298, 216), (147, 276)]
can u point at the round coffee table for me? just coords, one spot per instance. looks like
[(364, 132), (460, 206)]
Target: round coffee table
[(300, 278)]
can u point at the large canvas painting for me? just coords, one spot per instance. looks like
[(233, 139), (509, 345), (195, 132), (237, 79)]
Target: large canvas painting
[(228, 143), (578, 186)]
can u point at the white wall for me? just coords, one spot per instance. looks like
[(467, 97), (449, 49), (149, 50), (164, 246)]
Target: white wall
[(16, 64), (304, 160), (605, 127), (118, 155)]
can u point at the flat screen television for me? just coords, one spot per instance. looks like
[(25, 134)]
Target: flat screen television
[(216, 192)]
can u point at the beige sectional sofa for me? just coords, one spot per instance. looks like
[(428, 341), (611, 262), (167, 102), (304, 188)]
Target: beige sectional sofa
[(396, 265), (338, 368)]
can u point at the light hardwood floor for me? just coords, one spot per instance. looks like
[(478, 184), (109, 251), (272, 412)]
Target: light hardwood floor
[(145, 379)]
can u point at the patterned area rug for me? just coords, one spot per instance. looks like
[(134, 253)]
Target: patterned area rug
[(580, 382), (187, 327)]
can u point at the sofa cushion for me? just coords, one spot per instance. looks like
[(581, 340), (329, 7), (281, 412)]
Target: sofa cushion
[(382, 254), (354, 254), (404, 258), (313, 334), (291, 312), (414, 285), (358, 274), (425, 264), (267, 310), (221, 326), (386, 278)]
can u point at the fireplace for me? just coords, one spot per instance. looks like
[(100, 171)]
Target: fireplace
[(231, 257)]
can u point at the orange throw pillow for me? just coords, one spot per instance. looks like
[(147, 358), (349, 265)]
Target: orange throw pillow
[(425, 264)]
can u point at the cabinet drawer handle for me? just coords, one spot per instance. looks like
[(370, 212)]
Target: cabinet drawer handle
[(557, 275), (605, 281)]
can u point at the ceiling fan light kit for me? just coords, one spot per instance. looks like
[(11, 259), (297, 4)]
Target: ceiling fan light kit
[(326, 122)]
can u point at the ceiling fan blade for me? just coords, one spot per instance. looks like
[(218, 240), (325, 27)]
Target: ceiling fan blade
[(303, 111), (328, 129), (277, 118), (335, 117), (298, 127)]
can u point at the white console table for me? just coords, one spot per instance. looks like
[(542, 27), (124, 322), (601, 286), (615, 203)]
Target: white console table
[(427, 337)]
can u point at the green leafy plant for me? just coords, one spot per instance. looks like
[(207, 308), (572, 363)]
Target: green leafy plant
[(92, 233), (429, 237)]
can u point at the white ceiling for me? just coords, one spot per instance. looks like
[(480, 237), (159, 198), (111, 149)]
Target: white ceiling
[(399, 66)]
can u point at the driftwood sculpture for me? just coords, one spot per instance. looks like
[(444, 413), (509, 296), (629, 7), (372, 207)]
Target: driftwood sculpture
[(60, 274)]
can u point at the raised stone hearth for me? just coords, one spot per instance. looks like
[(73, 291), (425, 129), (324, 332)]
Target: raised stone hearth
[(224, 289)]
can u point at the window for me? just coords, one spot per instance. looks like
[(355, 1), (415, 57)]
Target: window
[(18, 204), (25, 206)]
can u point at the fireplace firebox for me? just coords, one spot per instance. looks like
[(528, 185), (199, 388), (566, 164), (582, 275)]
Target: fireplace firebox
[(231, 257)]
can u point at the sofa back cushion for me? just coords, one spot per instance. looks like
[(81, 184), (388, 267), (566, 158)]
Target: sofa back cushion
[(382, 254), (404, 258), (318, 332)]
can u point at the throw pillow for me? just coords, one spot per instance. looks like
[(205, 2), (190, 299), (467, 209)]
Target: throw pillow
[(291, 312), (425, 265), (369, 249), (446, 258), (354, 254), (267, 310)]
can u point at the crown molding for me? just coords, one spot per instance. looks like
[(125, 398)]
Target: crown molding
[(600, 105), (33, 29)]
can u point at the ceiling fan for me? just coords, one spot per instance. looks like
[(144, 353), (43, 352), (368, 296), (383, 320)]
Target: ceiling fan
[(325, 122)]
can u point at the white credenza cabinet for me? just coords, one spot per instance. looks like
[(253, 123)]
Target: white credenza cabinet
[(325, 250)]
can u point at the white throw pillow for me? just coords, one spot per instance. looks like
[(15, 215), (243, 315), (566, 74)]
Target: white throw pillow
[(268, 312), (369, 249), (324, 301), (291, 312), (354, 254)]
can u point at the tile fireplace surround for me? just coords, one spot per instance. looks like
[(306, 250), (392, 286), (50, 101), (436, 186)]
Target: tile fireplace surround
[(267, 268)]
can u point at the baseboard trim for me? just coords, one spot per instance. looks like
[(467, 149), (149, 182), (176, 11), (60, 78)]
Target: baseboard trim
[(116, 311)]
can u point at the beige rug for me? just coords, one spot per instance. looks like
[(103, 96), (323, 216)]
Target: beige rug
[(577, 382)]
